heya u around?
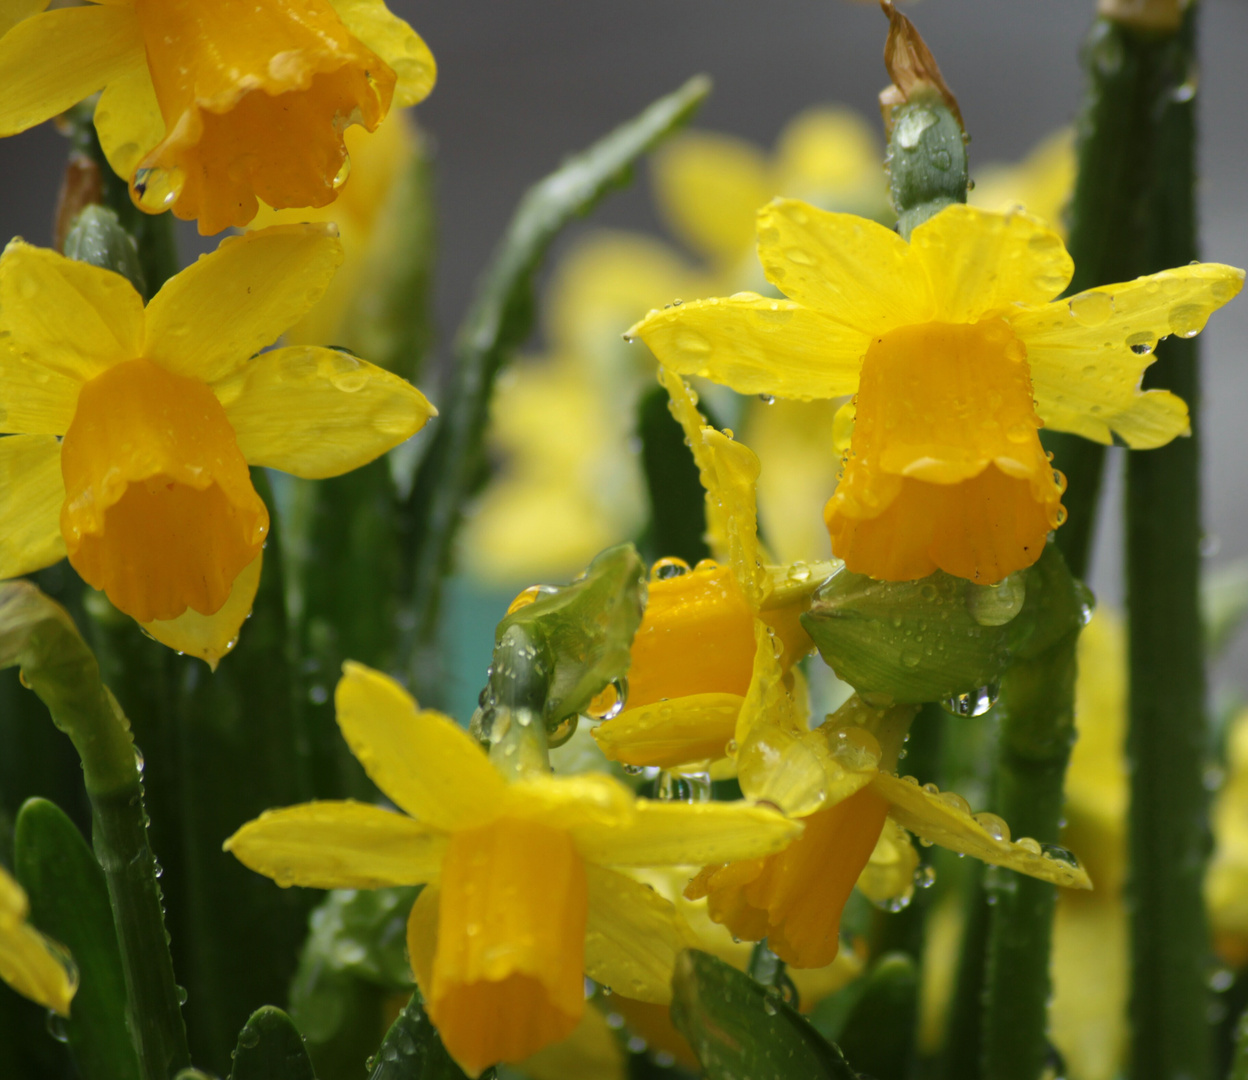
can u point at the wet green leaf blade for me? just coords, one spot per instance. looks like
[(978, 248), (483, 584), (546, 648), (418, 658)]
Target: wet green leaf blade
[(412, 1050), (69, 902), (271, 1048), (738, 1028)]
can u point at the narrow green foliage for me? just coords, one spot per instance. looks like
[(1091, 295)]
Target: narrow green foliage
[(879, 1035), (499, 319), (1223, 605), (1037, 730), (1168, 730), (677, 524), (412, 1050), (739, 1028), (271, 1048), (39, 636), (96, 237), (69, 902), (926, 161), (1239, 1063)]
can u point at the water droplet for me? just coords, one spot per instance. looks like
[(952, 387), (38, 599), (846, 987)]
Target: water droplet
[(994, 826), (340, 177), (925, 877), (138, 760), (1188, 320), (855, 748), (800, 256), (911, 126), (1091, 308), (1058, 854), (767, 399), (1142, 343), (610, 703), (693, 787), (158, 189), (58, 1027), (996, 605), (974, 702), (1026, 843), (666, 569), (181, 993)]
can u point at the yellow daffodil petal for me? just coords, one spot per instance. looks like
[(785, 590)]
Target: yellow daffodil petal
[(422, 936), (35, 966), (34, 399), (708, 187), (632, 938), (943, 818), (1088, 352), (128, 119), (421, 759), (859, 274), (670, 733), (507, 970), (687, 834), (586, 802), (53, 60), (319, 412), (889, 873), (757, 345), (255, 98), (74, 319), (207, 321), (31, 493), (159, 510), (982, 263), (592, 1050), (730, 483), (396, 43), (795, 898), (210, 637), (339, 845), (14, 11)]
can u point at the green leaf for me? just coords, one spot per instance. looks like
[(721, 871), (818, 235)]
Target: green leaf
[(454, 466), (879, 1035), (69, 902), (271, 1048), (412, 1050), (96, 237), (738, 1028), (677, 505), (582, 634)]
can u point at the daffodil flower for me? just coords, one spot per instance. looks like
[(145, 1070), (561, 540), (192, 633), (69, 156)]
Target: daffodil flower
[(133, 427), (838, 778), (36, 967), (693, 657), (211, 105), (957, 355), (522, 894)]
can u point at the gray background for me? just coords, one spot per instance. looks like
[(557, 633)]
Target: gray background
[(522, 82)]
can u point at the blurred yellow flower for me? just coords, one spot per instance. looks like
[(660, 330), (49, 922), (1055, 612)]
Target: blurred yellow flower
[(563, 425), (364, 212), (521, 896), (1041, 183), (209, 107), (956, 357), (33, 965), (133, 428)]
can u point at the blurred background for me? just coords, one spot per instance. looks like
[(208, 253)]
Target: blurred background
[(521, 84)]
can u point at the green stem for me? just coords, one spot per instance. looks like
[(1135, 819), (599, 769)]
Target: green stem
[(39, 636), (1036, 716), (1168, 735), (1239, 1063), (1118, 151)]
